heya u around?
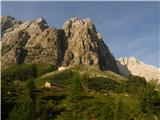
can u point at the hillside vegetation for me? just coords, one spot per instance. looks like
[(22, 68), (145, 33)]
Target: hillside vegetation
[(87, 93)]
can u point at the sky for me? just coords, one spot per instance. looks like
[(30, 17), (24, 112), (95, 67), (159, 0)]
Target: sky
[(128, 28)]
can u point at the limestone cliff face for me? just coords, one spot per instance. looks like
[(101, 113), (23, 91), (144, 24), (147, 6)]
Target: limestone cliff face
[(85, 45), (8, 22), (133, 66), (30, 42), (77, 42)]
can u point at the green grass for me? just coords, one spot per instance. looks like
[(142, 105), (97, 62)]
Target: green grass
[(129, 100), (87, 71)]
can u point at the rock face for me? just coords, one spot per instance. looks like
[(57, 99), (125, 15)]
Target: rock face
[(85, 45), (133, 66), (77, 42), (30, 42), (8, 22)]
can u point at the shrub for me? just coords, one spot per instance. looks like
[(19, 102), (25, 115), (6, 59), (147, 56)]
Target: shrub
[(135, 84), (150, 100), (20, 72), (44, 68), (101, 84)]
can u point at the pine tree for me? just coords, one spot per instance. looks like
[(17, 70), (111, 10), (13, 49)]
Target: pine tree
[(74, 96), (31, 88), (34, 70), (23, 108)]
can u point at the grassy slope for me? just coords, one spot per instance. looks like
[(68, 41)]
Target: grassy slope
[(63, 77), (81, 69), (131, 102)]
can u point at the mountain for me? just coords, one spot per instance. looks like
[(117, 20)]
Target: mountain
[(77, 42), (69, 73), (8, 22), (133, 66)]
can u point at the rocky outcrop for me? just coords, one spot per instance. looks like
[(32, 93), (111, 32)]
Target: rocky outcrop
[(77, 42), (31, 42), (85, 45), (8, 22), (135, 67)]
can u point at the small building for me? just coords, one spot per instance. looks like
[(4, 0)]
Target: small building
[(54, 85), (62, 68), (47, 84)]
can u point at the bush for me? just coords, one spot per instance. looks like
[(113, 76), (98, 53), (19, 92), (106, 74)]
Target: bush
[(135, 84), (47, 109), (121, 88), (137, 80), (20, 72), (150, 100), (44, 68), (100, 84)]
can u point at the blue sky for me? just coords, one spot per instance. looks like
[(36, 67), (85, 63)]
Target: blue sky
[(128, 28)]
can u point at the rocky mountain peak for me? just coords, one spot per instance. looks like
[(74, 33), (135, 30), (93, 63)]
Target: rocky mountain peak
[(8, 22), (76, 21), (38, 24), (41, 22), (5, 18), (133, 66), (133, 59), (77, 42), (79, 25), (85, 45)]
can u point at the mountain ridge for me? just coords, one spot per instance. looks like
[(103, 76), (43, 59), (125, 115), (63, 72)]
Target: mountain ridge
[(77, 42), (132, 65)]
